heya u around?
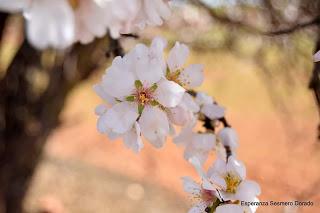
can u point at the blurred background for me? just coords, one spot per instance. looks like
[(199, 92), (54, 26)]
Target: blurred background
[(258, 64)]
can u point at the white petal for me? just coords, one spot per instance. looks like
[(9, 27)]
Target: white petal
[(247, 190), (154, 125), (228, 137), (169, 93), (219, 167), (202, 98), (50, 24), (229, 208), (132, 139), (98, 88), (148, 66), (192, 76), (236, 167), (206, 184), (190, 152), (14, 5), (213, 111), (205, 142), (100, 109), (186, 135), (121, 117), (316, 56), (189, 103), (199, 207), (118, 81), (177, 56), (179, 115), (217, 179), (155, 10), (102, 124), (190, 186), (157, 45)]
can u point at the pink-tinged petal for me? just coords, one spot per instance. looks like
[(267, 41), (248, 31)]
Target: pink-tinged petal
[(154, 125), (132, 139), (236, 167), (55, 20), (213, 111), (229, 208), (169, 93), (247, 190), (228, 137), (177, 56), (316, 56), (190, 186), (121, 117), (192, 76)]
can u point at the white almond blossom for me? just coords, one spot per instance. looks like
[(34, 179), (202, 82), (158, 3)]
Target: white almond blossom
[(224, 181), (209, 107), (60, 23), (185, 112), (196, 144), (228, 137), (138, 95), (48, 23), (231, 177), (203, 197), (189, 78)]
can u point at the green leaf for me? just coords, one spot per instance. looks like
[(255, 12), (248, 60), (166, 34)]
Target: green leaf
[(140, 108), (154, 87), (130, 98), (138, 84)]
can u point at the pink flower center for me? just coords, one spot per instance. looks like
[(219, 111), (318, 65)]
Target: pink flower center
[(144, 96)]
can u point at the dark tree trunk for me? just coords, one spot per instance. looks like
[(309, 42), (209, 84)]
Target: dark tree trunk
[(314, 84), (27, 118)]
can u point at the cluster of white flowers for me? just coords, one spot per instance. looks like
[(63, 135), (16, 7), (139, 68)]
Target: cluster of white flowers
[(148, 95), (60, 23), (143, 93)]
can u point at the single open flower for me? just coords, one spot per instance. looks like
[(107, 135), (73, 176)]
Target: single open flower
[(231, 176), (142, 95)]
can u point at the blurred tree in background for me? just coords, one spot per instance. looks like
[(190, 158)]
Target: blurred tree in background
[(278, 35)]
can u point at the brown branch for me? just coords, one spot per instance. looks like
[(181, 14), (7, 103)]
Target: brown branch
[(253, 29)]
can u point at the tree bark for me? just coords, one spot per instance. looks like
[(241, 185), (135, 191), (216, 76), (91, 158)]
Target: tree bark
[(26, 118), (314, 84)]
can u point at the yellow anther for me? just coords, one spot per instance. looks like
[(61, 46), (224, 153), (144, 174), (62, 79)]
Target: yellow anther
[(143, 98), (232, 182), (74, 3)]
